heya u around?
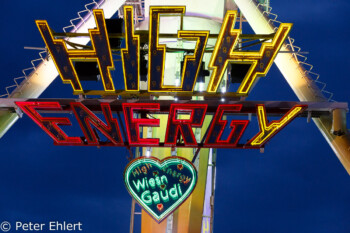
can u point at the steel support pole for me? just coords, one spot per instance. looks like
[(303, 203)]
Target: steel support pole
[(44, 74), (298, 79)]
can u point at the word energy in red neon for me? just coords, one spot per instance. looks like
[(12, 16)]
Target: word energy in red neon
[(178, 133)]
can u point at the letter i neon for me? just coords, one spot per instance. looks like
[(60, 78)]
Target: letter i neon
[(146, 182), (180, 191)]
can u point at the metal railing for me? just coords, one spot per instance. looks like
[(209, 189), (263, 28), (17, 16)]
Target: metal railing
[(139, 10), (81, 19), (299, 57)]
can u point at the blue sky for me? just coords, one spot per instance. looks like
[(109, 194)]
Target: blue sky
[(297, 185)]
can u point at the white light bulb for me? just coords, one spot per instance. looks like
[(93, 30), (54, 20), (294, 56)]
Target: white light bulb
[(201, 86), (223, 89), (148, 152)]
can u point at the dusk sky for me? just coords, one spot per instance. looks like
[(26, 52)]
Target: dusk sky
[(296, 185)]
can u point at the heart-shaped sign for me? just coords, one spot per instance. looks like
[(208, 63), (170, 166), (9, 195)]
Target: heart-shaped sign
[(160, 186)]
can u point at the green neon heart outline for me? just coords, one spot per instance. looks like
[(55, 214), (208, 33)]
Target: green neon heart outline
[(160, 164)]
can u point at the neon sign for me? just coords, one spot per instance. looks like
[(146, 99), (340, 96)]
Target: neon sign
[(160, 187), (177, 128), (63, 57), (224, 52)]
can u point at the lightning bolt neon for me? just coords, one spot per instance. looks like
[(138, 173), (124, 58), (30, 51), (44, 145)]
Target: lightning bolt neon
[(223, 51), (260, 61)]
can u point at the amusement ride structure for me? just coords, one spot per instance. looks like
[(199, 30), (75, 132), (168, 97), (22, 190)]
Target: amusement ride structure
[(197, 24)]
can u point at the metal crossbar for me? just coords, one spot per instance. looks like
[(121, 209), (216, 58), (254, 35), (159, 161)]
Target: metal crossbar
[(301, 59), (43, 54)]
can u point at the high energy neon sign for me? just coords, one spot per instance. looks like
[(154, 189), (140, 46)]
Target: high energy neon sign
[(224, 52), (159, 186)]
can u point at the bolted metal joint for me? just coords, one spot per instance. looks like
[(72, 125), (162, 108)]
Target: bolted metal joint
[(339, 122)]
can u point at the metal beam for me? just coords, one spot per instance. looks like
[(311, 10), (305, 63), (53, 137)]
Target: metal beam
[(315, 109), (145, 34), (43, 74), (299, 80)]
